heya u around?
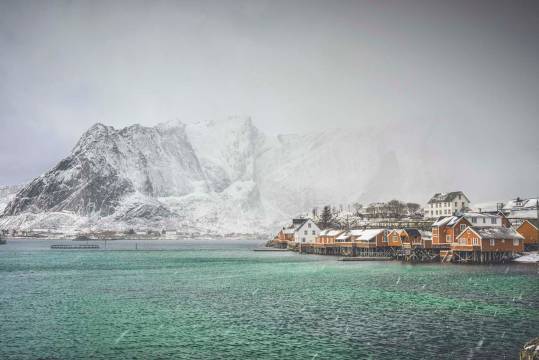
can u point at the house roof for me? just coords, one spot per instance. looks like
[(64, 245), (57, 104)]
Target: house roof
[(446, 197), (480, 215), (356, 232), (345, 235), (298, 222), (369, 234), (521, 204), (426, 235), (412, 232), (330, 232), (496, 232), (447, 221)]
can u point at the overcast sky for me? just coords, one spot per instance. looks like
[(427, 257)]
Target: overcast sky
[(461, 76)]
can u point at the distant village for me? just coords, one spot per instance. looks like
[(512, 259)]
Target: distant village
[(445, 230)]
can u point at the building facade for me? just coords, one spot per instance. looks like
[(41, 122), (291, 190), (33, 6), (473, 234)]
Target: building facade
[(306, 231), (446, 204)]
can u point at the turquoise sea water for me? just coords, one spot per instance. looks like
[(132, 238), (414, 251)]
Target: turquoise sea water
[(221, 300)]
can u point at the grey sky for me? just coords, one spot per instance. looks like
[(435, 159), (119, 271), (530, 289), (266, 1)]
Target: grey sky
[(454, 75)]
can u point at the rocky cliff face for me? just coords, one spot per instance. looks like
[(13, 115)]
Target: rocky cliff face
[(206, 177)]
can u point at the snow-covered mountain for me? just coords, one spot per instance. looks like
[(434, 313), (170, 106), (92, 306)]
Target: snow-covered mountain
[(217, 177), (7, 193)]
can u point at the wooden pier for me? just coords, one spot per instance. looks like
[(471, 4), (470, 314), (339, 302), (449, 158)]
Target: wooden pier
[(75, 247)]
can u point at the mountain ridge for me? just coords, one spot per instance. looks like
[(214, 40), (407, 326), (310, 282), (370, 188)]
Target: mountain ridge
[(216, 177)]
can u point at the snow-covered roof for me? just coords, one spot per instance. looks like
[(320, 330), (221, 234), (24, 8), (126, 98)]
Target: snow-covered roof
[(480, 215), (289, 231), (356, 232), (446, 197), (369, 234), (522, 214), (521, 204), (344, 236), (447, 221), (330, 232), (496, 232), (425, 235)]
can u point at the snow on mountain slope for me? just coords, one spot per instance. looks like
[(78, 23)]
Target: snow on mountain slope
[(7, 193), (218, 177)]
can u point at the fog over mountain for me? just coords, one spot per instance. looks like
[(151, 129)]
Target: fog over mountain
[(225, 176), (397, 98)]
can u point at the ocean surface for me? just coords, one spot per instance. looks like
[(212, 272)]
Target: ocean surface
[(221, 300)]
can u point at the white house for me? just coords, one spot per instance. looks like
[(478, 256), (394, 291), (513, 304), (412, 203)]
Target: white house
[(445, 204), (305, 231)]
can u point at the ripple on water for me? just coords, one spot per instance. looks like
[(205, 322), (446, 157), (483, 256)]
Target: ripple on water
[(234, 303)]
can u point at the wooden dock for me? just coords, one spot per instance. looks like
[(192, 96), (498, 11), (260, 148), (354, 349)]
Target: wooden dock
[(367, 258), (75, 247), (271, 250)]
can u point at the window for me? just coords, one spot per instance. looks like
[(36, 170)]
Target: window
[(475, 241), (314, 232), (463, 204), (492, 242), (305, 232), (516, 242), (474, 220), (448, 238), (462, 241), (484, 220), (459, 197), (462, 227), (309, 225), (456, 204), (303, 239), (395, 237), (493, 221)]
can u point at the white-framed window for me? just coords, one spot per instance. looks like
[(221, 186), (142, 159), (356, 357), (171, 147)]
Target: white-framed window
[(492, 242), (462, 227), (384, 239), (463, 204), (484, 220), (462, 241), (448, 238), (493, 221), (305, 232), (303, 239), (314, 232), (475, 241), (309, 225), (474, 220), (395, 237), (516, 242)]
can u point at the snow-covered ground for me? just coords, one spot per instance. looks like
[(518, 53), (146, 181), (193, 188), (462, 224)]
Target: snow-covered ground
[(532, 257)]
